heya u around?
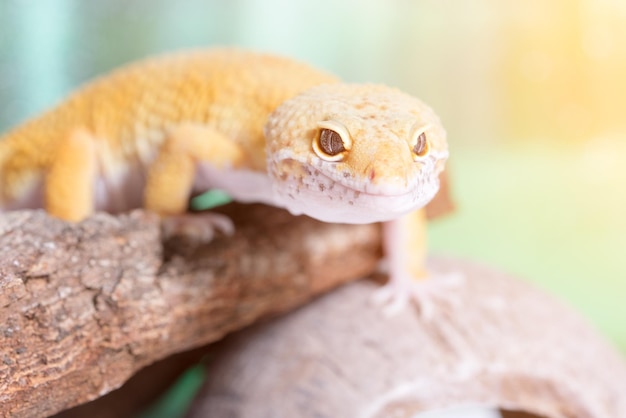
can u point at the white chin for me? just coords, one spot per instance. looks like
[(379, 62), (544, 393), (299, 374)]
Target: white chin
[(365, 211), (338, 203)]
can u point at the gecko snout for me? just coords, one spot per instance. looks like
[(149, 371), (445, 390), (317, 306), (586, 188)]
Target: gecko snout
[(389, 167)]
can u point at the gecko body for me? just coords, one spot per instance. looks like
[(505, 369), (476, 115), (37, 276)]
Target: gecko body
[(261, 128)]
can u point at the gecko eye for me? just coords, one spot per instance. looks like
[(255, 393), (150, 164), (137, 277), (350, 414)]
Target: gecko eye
[(420, 145), (332, 141)]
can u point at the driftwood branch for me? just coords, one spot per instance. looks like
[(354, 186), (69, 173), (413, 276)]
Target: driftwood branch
[(82, 307)]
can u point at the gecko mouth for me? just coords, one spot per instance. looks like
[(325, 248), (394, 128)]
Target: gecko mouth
[(330, 199), (328, 184), (317, 177)]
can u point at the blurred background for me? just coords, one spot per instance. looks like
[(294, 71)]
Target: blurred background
[(533, 95)]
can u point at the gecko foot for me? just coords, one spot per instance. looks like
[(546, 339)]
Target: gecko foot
[(424, 293), (200, 226)]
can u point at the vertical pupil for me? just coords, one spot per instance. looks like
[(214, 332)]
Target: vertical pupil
[(330, 142), (420, 145)]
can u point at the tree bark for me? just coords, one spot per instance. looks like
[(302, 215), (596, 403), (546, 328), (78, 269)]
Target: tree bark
[(83, 306)]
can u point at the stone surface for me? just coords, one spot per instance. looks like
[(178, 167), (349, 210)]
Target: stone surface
[(494, 341)]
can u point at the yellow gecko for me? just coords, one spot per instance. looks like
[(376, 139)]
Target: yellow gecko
[(260, 127)]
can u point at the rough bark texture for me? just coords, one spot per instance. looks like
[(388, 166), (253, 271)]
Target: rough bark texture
[(83, 306), (494, 340), (145, 390)]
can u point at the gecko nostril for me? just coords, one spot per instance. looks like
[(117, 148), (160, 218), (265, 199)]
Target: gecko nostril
[(372, 174)]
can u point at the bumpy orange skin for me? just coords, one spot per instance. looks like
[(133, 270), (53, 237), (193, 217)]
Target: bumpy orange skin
[(128, 114)]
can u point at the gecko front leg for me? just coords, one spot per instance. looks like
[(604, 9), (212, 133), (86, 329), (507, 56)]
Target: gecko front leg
[(69, 182), (172, 175), (404, 244)]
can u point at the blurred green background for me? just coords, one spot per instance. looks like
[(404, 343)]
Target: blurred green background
[(533, 95)]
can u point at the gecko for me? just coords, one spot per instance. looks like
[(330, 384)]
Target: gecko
[(260, 127)]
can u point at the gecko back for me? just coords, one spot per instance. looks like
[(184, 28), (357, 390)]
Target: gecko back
[(127, 115)]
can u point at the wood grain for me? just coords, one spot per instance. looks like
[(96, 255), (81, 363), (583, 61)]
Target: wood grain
[(83, 306)]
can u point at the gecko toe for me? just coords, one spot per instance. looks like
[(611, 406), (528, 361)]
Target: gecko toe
[(428, 295), (200, 226), (391, 300)]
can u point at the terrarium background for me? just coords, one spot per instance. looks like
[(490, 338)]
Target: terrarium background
[(533, 95)]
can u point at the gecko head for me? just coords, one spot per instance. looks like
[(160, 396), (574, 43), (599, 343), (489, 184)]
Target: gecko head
[(354, 153)]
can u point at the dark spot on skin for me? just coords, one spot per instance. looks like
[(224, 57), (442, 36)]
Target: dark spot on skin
[(346, 174), (351, 202), (322, 187)]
